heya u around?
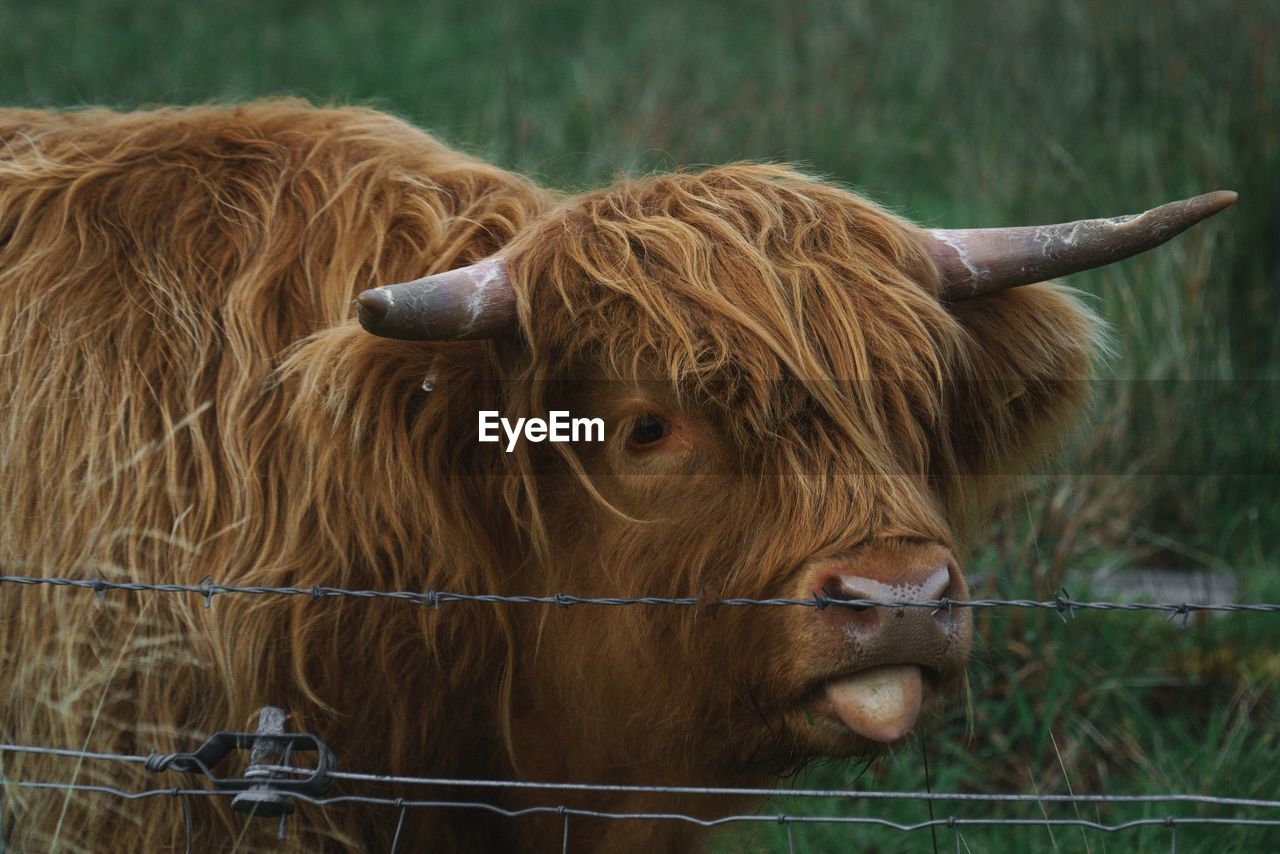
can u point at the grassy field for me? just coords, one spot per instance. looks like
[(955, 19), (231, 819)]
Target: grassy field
[(982, 113)]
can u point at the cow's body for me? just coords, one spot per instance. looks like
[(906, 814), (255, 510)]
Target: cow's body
[(184, 394)]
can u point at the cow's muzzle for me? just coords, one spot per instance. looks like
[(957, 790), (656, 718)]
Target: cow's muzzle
[(888, 663)]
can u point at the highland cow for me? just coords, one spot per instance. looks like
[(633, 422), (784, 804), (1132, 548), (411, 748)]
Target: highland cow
[(802, 394)]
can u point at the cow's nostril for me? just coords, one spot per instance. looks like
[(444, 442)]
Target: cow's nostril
[(938, 585), (861, 617)]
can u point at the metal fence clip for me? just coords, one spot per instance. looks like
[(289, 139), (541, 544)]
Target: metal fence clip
[(262, 791)]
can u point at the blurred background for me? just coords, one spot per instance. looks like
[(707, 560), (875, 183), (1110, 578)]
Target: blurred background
[(976, 114)]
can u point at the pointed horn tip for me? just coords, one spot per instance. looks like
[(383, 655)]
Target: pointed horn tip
[(1193, 209), (372, 306), (1219, 200), (1206, 204), (1198, 208)]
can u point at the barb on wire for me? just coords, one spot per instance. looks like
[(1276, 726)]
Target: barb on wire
[(207, 589)]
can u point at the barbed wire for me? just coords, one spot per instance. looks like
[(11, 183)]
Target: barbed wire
[(1063, 604), (207, 589)]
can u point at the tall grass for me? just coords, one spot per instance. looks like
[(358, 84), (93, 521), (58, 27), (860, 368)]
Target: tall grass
[(982, 113)]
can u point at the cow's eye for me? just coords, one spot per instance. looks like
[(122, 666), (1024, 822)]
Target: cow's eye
[(649, 429)]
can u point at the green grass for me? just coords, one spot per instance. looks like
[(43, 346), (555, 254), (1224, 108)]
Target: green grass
[(981, 113)]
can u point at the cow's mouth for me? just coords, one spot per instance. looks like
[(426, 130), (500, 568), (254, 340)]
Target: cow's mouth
[(880, 705)]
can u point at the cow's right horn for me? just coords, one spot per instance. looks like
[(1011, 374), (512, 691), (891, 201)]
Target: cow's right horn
[(462, 304)]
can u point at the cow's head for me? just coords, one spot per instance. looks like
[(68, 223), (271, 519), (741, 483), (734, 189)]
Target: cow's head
[(803, 395)]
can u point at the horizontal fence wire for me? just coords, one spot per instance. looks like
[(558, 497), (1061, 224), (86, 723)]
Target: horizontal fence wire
[(207, 589), (1063, 604), (159, 762), (400, 805), (561, 809)]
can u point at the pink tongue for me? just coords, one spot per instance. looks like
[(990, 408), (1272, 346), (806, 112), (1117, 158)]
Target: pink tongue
[(880, 704)]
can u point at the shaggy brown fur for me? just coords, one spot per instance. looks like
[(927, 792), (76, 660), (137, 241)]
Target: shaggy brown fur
[(185, 394)]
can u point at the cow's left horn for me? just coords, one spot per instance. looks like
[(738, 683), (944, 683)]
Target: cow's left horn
[(976, 261), (466, 303)]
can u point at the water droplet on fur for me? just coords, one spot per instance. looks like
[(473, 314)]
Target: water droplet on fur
[(433, 374)]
